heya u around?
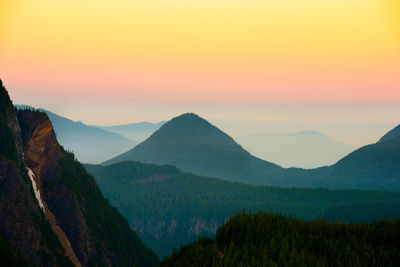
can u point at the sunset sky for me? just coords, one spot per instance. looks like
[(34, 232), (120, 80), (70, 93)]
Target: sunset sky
[(118, 61)]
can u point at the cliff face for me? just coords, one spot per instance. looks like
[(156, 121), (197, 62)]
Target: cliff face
[(66, 221), (22, 223), (41, 155)]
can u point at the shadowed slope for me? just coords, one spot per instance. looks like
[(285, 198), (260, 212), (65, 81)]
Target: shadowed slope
[(391, 134), (194, 145), (58, 210)]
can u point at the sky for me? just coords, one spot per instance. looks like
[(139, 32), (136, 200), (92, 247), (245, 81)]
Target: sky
[(254, 61)]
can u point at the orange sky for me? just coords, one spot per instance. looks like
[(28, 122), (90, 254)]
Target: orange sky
[(192, 52)]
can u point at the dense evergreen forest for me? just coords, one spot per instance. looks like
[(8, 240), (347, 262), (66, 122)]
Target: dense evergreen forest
[(168, 208), (364, 212), (9, 257), (104, 221), (265, 239), (7, 143)]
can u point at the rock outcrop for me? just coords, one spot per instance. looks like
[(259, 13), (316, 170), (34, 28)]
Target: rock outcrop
[(51, 211)]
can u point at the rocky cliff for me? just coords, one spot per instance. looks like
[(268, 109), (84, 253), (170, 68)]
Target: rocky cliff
[(22, 223), (51, 210)]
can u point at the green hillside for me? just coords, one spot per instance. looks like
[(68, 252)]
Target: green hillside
[(194, 145), (376, 166), (107, 227), (168, 208), (265, 239)]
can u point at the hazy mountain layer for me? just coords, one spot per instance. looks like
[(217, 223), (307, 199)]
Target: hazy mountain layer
[(194, 145), (307, 149), (89, 144), (135, 131)]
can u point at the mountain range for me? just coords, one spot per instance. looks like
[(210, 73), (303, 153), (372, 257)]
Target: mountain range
[(194, 145), (90, 144), (52, 213), (305, 149), (139, 131)]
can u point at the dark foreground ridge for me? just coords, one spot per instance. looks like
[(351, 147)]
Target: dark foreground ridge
[(169, 208), (265, 239)]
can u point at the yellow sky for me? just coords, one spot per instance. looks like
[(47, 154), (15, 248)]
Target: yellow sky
[(274, 49), (192, 29)]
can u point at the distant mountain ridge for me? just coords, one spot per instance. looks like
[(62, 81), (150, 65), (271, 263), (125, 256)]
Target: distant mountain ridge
[(305, 149), (194, 145), (90, 144), (139, 131), (375, 166)]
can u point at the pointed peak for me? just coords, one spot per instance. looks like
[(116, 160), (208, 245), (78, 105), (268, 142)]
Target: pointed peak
[(188, 127), (187, 119), (188, 115)]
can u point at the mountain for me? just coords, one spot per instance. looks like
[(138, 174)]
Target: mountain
[(85, 140), (194, 145), (265, 239), (135, 131), (391, 134), (306, 149), (168, 208), (372, 166), (52, 213)]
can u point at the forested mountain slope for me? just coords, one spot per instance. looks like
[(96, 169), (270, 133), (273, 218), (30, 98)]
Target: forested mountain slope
[(52, 213), (194, 145), (265, 239), (376, 166), (168, 208)]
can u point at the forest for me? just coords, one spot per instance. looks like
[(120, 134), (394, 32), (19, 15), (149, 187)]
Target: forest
[(168, 208), (117, 236), (266, 239)]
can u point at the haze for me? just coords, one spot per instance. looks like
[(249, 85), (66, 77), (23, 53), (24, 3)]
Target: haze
[(334, 66)]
